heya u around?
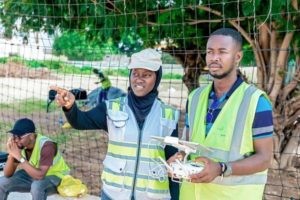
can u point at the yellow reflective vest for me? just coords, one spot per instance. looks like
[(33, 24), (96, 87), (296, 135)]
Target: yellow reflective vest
[(132, 167), (59, 168), (230, 138)]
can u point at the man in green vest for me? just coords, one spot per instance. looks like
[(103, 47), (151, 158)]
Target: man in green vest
[(39, 163), (234, 119)]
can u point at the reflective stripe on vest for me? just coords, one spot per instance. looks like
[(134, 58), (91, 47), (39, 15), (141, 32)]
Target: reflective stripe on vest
[(58, 168), (192, 112), (250, 96), (123, 149)]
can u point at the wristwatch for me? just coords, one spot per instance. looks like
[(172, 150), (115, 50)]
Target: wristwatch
[(22, 160), (228, 170)]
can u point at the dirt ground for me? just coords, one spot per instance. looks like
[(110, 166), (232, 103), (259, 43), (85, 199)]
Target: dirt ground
[(85, 150)]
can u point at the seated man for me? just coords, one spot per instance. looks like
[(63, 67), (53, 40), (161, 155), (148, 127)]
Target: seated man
[(40, 164)]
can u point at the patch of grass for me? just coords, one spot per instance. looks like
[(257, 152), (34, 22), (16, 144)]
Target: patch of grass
[(26, 106), (50, 64), (117, 72), (3, 60), (16, 59), (69, 69), (125, 73), (167, 58), (59, 66), (34, 64), (62, 68), (172, 76)]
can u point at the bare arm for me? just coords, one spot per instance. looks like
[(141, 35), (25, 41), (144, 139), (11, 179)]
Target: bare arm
[(10, 166), (259, 161), (92, 119), (47, 155), (35, 173)]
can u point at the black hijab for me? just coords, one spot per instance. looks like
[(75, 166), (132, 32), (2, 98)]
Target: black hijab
[(141, 106)]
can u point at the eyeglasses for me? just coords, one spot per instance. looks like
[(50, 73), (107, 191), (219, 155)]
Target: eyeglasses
[(20, 137)]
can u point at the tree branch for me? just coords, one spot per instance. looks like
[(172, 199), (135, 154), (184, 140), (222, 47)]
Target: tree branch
[(256, 49), (114, 6), (292, 106), (292, 85), (264, 41), (240, 29), (295, 4), (207, 9), (194, 22), (272, 63), (280, 65), (152, 23), (290, 121)]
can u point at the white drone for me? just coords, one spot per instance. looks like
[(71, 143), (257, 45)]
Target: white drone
[(182, 169)]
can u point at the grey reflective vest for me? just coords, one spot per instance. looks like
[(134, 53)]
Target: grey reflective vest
[(132, 166)]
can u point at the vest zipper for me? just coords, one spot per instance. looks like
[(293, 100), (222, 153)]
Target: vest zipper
[(137, 161)]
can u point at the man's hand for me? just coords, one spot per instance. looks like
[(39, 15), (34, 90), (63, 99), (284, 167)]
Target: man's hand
[(64, 98), (209, 173), (9, 143), (15, 151)]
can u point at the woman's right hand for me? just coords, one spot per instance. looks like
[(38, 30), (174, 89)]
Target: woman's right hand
[(64, 98), (177, 156)]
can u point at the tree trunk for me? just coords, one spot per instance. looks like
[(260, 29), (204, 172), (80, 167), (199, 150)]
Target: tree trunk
[(272, 62), (192, 63), (37, 39), (290, 150), (280, 66), (264, 42)]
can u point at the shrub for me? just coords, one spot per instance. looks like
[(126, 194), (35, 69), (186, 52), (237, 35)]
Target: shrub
[(75, 46)]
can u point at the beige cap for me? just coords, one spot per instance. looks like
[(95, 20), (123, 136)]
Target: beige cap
[(147, 59)]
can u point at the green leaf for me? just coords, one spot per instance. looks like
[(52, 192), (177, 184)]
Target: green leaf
[(250, 7)]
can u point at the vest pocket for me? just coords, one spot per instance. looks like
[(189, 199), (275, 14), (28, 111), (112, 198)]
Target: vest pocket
[(157, 172), (157, 184), (113, 175), (116, 123)]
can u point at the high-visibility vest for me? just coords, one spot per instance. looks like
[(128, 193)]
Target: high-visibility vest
[(230, 138), (58, 168), (132, 166)]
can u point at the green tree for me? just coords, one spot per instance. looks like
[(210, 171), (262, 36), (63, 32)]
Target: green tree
[(269, 27), (76, 47)]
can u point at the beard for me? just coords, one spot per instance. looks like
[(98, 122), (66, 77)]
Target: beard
[(223, 75)]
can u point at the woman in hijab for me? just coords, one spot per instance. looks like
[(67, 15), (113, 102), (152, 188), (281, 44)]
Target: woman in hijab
[(132, 169)]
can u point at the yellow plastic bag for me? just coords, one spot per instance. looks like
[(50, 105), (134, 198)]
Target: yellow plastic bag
[(71, 187)]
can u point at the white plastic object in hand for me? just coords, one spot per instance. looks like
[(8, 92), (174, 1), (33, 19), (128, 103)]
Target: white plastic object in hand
[(171, 140), (188, 147), (185, 170), (180, 170)]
